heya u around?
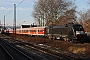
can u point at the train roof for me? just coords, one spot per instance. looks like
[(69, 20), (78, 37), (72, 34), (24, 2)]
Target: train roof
[(55, 27), (34, 27), (71, 25), (66, 26), (38, 27)]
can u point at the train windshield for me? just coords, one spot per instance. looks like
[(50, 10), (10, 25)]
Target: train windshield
[(78, 28)]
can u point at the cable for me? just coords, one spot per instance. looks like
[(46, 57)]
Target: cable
[(16, 6), (24, 17), (8, 12), (20, 3)]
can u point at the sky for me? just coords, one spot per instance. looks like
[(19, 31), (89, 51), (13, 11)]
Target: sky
[(24, 10), (82, 5)]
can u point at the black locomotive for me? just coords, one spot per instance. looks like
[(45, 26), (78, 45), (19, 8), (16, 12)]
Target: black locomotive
[(69, 32)]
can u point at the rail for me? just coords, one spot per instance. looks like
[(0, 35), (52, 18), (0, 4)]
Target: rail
[(17, 53)]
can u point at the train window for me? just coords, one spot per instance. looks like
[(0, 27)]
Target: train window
[(32, 30), (26, 30), (19, 31), (48, 31), (22, 30), (78, 27), (40, 30)]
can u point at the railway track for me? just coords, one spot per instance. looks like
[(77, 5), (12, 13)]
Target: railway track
[(43, 52), (62, 55), (36, 55), (13, 52), (3, 54)]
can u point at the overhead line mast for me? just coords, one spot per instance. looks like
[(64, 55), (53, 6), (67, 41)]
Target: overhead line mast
[(14, 28), (4, 21)]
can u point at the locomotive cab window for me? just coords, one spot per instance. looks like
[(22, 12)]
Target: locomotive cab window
[(78, 28)]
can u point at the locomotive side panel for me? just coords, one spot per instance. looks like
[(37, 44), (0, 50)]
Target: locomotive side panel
[(57, 32)]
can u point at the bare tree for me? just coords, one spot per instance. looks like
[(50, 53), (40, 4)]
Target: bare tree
[(48, 12), (85, 20), (68, 17), (83, 17), (86, 25)]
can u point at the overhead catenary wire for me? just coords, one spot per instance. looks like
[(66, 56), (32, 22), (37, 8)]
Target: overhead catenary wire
[(20, 3), (25, 17), (9, 12), (11, 9), (16, 6)]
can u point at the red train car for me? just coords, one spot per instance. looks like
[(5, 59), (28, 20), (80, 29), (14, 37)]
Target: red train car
[(30, 31)]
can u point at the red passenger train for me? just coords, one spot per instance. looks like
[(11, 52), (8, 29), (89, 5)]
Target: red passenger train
[(30, 31)]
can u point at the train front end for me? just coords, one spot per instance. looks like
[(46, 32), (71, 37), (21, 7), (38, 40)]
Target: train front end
[(79, 32)]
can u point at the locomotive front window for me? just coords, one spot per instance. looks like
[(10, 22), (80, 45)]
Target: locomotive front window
[(78, 28)]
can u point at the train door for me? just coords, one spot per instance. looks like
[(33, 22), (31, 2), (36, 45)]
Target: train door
[(37, 32), (28, 32)]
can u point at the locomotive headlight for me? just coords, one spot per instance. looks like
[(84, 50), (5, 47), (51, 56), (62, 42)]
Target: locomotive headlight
[(79, 32)]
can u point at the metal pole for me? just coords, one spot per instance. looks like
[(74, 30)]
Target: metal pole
[(15, 18), (0, 22), (0, 26), (4, 21)]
